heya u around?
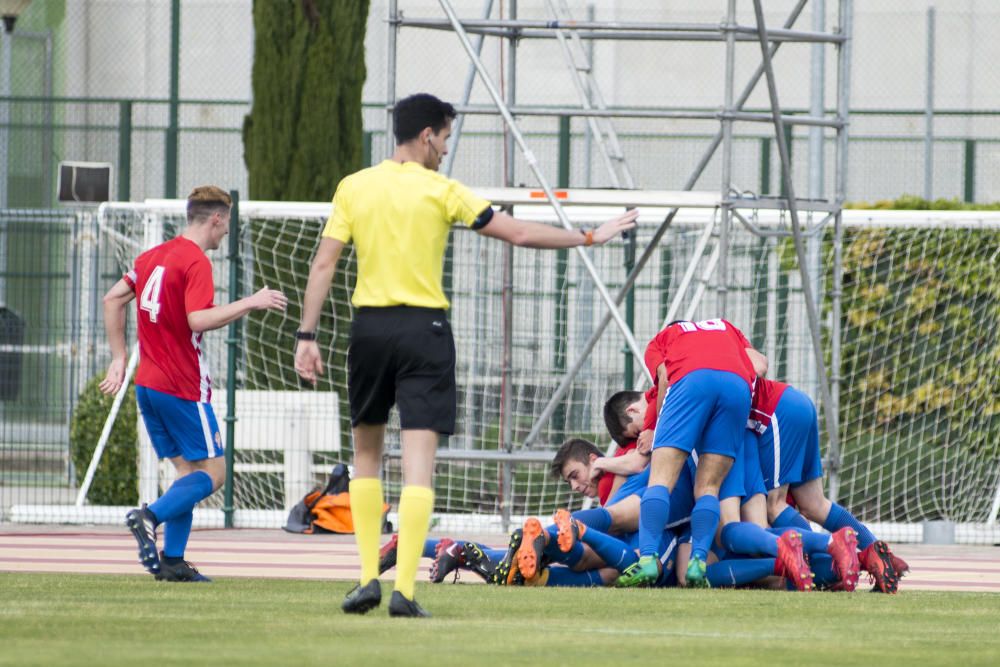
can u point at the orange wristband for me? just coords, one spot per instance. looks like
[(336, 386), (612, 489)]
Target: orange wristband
[(588, 237)]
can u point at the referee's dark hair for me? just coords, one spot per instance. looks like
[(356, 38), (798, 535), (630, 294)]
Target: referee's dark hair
[(574, 449), (412, 114), (614, 414)]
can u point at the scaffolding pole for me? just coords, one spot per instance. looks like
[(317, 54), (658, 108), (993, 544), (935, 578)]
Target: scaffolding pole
[(611, 30), (647, 252), (470, 78), (846, 21), (832, 418), (532, 161), (722, 281)]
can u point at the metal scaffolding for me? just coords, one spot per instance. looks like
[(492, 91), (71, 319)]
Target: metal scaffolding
[(730, 202)]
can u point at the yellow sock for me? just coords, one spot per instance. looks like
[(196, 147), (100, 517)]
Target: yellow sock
[(366, 512), (415, 506)]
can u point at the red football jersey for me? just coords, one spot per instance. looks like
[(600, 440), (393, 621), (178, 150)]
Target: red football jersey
[(607, 479), (709, 344), (172, 280), (765, 401), (649, 420)]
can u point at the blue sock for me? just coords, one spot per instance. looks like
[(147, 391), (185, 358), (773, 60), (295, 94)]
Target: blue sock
[(430, 547), (495, 555), (563, 576), (182, 496), (839, 518), (739, 572), (175, 535), (552, 549), (790, 518), (748, 538), (822, 567), (704, 522), (597, 517), (654, 509), (612, 551), (812, 543)]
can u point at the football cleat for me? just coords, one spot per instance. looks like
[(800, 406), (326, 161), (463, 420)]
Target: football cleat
[(898, 564), (449, 555), (142, 523), (642, 573), (387, 554), (696, 573), (529, 555), (877, 560), (506, 572), (569, 530), (362, 599), (400, 606), (477, 561), (843, 549), (791, 562), (179, 572)]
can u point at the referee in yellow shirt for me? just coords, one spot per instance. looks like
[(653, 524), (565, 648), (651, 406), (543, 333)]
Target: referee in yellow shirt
[(398, 214)]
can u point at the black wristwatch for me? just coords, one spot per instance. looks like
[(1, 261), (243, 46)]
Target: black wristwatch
[(305, 335)]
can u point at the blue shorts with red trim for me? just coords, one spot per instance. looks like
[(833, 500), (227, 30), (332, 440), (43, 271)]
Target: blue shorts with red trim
[(178, 427), (789, 449), (705, 411)]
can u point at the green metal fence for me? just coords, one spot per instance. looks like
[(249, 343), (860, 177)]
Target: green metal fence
[(136, 137)]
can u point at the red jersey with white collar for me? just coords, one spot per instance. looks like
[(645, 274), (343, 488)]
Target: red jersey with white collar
[(709, 344), (172, 280), (765, 402), (607, 480)]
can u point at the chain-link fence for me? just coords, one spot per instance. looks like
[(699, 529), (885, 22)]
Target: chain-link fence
[(91, 82)]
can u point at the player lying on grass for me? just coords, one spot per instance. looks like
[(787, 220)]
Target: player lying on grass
[(791, 444), (533, 548), (625, 415), (785, 422)]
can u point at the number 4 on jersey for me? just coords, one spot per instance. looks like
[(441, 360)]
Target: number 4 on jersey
[(150, 298)]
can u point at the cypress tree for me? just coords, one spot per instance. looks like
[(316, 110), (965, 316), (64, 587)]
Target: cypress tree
[(303, 134)]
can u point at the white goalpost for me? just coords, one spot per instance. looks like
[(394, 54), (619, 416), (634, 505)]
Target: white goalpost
[(918, 345)]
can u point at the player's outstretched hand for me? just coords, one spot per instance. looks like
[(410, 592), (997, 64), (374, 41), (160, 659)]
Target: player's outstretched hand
[(308, 363), (112, 382), (269, 299), (644, 443), (616, 226)]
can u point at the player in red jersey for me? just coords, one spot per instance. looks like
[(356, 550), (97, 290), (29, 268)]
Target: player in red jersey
[(173, 282), (710, 369), (785, 422)]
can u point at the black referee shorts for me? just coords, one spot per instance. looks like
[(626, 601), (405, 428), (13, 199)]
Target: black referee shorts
[(402, 355)]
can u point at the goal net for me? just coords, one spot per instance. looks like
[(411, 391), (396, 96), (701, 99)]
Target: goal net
[(915, 338)]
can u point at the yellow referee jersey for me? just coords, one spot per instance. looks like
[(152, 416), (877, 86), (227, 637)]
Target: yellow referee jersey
[(398, 216)]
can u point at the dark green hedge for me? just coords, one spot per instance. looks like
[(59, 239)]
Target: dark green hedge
[(116, 479)]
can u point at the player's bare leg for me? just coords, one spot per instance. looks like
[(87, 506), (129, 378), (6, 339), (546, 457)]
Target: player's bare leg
[(754, 510), (625, 514)]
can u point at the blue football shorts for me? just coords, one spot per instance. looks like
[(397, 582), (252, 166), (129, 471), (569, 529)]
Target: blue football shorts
[(178, 427), (789, 449), (705, 411)]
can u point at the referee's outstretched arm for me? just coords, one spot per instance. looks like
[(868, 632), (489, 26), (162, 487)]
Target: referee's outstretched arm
[(537, 235)]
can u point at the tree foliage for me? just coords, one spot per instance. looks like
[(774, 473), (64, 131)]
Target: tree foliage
[(303, 135)]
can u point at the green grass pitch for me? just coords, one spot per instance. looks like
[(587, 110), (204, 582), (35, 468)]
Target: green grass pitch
[(132, 620)]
